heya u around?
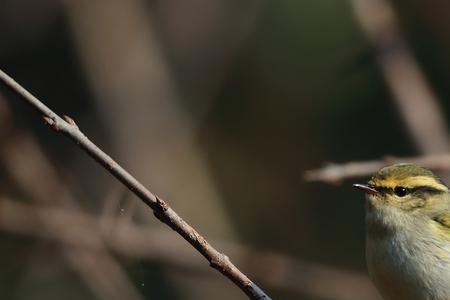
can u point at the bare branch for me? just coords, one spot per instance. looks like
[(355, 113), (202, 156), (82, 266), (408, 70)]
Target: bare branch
[(335, 173), (161, 209)]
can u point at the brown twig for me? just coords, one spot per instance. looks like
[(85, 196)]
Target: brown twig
[(335, 173), (132, 241), (161, 209)]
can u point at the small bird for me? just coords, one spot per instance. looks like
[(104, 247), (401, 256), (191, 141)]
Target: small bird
[(408, 233)]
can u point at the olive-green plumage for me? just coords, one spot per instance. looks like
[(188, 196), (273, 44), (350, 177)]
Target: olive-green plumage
[(408, 233), (403, 171)]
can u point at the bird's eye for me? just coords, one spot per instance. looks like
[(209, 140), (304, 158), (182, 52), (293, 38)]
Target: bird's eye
[(400, 191)]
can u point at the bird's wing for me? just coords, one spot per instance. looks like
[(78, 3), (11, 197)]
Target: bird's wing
[(443, 218)]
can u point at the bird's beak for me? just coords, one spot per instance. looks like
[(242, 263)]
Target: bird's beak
[(366, 188)]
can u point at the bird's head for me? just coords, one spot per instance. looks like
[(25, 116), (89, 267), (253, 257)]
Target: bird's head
[(405, 186)]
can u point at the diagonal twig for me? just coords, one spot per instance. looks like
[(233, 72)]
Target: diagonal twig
[(161, 209)]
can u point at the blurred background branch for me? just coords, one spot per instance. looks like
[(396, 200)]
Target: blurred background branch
[(131, 77), (84, 232), (411, 91), (31, 171), (336, 173), (417, 104)]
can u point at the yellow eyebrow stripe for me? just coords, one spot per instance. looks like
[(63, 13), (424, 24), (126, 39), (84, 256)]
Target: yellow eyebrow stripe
[(410, 182)]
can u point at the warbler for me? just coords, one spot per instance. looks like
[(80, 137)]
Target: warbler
[(408, 233)]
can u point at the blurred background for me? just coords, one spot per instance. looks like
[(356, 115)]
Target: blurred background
[(219, 107)]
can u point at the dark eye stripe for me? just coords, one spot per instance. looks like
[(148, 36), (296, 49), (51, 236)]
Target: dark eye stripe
[(418, 189), (427, 190), (383, 189)]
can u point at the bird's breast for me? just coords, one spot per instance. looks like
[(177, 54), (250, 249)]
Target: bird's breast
[(407, 264)]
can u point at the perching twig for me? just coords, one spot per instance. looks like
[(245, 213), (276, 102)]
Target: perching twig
[(335, 173), (161, 209)]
